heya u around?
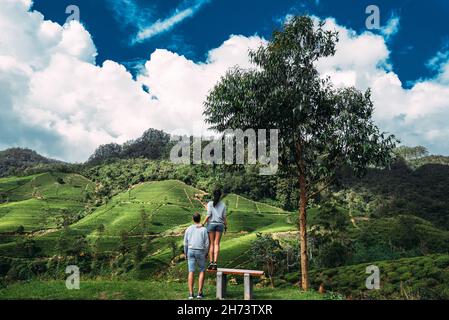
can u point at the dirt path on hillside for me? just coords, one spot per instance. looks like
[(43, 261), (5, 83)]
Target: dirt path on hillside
[(40, 233)]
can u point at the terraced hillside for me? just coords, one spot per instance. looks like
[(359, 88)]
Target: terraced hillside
[(155, 214), (36, 202), (167, 205), (156, 211)]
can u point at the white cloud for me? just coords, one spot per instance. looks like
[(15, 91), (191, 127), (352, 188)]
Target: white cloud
[(392, 27), (358, 57), (163, 25), (181, 85), (440, 64), (129, 12), (55, 99), (417, 115)]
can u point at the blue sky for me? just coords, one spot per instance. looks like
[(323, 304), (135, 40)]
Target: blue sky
[(130, 65), (423, 25)]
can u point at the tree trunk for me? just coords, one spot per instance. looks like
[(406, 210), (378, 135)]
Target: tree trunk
[(302, 220), (303, 233)]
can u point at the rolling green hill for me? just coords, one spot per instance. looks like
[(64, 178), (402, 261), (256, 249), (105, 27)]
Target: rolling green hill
[(154, 215), (167, 204), (36, 202), (8, 185)]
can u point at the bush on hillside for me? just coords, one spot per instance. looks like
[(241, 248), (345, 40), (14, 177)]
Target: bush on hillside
[(268, 254), (424, 277)]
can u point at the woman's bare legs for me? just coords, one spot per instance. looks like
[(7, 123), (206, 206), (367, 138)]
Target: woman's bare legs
[(211, 246), (217, 238)]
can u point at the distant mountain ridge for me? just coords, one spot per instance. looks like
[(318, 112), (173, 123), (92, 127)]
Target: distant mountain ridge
[(156, 145), (16, 160), (153, 144)]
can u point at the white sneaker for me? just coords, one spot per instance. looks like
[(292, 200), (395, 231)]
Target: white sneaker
[(200, 296)]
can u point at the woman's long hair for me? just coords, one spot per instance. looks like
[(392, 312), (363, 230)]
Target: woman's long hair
[(217, 196)]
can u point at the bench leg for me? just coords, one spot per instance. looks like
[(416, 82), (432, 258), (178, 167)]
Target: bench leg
[(221, 285), (248, 286)]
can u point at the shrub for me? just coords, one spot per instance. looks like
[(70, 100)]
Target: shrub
[(267, 253), (334, 254)]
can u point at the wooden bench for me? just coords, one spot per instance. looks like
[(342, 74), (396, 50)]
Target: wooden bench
[(222, 277)]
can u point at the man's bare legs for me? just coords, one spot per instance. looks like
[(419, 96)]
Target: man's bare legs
[(201, 282), (191, 280)]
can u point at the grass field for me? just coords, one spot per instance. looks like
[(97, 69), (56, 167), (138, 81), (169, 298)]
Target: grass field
[(36, 202), (235, 202), (141, 290), (9, 184), (59, 186), (34, 214)]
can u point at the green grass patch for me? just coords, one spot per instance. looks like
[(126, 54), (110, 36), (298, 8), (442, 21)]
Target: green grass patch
[(140, 290)]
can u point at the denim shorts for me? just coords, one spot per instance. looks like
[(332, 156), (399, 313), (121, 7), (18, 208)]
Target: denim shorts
[(215, 227), (196, 258)]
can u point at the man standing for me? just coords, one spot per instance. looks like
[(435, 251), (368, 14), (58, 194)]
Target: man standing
[(196, 246)]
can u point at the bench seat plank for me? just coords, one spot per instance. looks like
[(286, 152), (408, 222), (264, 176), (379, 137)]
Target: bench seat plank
[(242, 272)]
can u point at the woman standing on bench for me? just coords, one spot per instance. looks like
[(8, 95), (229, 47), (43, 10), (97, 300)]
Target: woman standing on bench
[(216, 225)]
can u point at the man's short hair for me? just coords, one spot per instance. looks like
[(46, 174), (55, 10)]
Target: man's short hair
[(196, 217)]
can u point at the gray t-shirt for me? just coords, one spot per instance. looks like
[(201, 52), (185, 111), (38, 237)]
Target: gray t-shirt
[(216, 214), (196, 238)]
